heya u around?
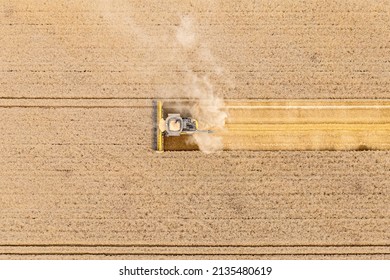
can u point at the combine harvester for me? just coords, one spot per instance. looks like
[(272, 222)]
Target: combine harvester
[(174, 125)]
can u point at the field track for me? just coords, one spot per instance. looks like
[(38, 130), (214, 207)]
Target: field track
[(79, 178)]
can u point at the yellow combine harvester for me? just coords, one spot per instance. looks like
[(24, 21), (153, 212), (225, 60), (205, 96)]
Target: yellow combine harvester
[(174, 125)]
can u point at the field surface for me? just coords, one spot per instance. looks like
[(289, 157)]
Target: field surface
[(78, 174)]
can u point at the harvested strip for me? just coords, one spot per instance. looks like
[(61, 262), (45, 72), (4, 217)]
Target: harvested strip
[(302, 125)]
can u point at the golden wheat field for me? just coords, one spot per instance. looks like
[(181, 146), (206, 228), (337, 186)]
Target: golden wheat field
[(79, 176)]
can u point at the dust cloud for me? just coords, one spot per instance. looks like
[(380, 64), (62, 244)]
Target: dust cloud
[(185, 34), (192, 57), (206, 106)]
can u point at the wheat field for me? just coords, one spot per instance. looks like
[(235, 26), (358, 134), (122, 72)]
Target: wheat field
[(79, 178)]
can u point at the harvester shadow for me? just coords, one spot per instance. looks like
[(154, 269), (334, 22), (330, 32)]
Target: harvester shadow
[(155, 126)]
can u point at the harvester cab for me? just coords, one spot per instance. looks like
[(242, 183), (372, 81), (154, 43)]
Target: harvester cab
[(175, 125)]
